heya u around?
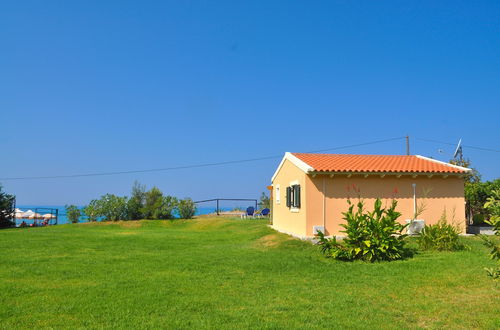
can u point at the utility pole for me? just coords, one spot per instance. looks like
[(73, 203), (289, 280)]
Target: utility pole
[(407, 145)]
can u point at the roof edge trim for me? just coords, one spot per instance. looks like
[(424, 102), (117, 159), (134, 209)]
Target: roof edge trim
[(303, 166), (465, 169)]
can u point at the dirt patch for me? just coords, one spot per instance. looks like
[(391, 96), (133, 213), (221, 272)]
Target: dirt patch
[(130, 224), (127, 233), (204, 224), (127, 224), (272, 240)]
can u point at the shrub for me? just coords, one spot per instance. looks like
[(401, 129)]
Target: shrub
[(111, 207), (442, 236), (493, 206), (136, 202), (165, 208), (371, 236), (158, 206), (186, 208), (73, 213), (478, 219), (92, 211), (7, 206)]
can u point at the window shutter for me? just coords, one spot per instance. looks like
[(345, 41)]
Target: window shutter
[(288, 196), (296, 195)]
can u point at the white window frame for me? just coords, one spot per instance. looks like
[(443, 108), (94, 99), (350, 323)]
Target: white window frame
[(293, 208)]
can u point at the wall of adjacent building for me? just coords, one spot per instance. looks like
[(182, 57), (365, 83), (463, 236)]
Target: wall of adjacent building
[(326, 198), (285, 219)]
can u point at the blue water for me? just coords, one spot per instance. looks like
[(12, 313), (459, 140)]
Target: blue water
[(62, 219)]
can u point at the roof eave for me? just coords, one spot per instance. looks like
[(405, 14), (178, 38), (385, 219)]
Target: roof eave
[(385, 173)]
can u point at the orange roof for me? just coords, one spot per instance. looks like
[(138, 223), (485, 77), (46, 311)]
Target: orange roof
[(376, 163)]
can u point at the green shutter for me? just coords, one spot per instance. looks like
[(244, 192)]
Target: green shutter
[(288, 196)]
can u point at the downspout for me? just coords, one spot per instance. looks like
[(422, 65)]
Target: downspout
[(414, 185), (324, 205)]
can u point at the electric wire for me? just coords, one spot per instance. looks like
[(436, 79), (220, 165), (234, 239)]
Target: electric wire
[(191, 166), (454, 144)]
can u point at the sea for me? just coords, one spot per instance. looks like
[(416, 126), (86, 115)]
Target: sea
[(62, 218)]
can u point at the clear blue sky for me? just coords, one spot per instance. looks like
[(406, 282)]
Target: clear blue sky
[(91, 86)]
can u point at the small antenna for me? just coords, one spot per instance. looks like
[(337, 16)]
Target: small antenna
[(407, 145), (458, 150)]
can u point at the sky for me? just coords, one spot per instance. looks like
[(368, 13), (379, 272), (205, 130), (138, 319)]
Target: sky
[(105, 86)]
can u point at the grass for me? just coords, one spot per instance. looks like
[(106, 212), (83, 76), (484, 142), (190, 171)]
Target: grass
[(222, 273)]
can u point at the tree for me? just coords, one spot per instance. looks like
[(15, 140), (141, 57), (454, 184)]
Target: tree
[(265, 202), (92, 211), (7, 205), (473, 188), (158, 206), (186, 208), (136, 202), (112, 207), (73, 213), (472, 176), (166, 208), (476, 196)]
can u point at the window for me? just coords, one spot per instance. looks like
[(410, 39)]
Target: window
[(278, 194), (293, 196)]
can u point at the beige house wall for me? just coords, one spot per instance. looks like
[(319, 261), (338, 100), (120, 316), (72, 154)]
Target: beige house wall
[(436, 194), (324, 198), (285, 219)]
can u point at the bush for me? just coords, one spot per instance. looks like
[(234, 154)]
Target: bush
[(136, 202), (493, 206), (7, 209), (158, 206), (73, 213), (186, 208), (92, 211), (441, 236), (371, 236), (111, 208), (478, 219)]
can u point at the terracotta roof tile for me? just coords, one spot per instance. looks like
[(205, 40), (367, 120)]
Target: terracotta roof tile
[(375, 163)]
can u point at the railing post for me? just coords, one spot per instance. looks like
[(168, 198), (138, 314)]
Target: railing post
[(217, 206)]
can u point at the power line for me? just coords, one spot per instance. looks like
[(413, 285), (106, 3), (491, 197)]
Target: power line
[(463, 145), (189, 166)]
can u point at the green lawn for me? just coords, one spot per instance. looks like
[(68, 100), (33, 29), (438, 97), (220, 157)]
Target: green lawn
[(220, 273)]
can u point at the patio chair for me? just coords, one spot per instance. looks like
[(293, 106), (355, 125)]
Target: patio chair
[(250, 212), (265, 212)]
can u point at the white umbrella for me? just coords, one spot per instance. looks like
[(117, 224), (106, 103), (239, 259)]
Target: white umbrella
[(48, 216), (28, 213), (35, 216)]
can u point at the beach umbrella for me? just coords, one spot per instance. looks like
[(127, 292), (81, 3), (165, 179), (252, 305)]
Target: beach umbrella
[(34, 216), (19, 214), (25, 215), (48, 216)]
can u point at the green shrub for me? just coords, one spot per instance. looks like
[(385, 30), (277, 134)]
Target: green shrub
[(7, 205), (73, 213), (136, 202), (92, 211), (111, 208), (478, 219), (442, 236), (371, 236), (493, 206), (186, 208), (157, 205)]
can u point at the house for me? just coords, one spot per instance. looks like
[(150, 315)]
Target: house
[(310, 191)]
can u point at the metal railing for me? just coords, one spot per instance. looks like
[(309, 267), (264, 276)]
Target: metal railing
[(227, 199)]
